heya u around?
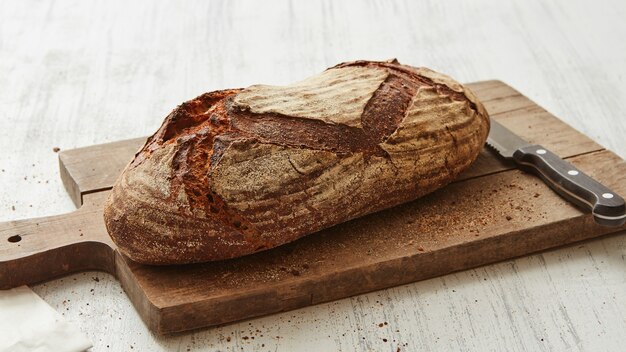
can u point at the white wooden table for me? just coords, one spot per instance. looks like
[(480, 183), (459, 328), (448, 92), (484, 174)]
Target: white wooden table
[(76, 73)]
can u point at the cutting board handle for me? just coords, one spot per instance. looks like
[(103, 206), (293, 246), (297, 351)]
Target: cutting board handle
[(35, 250)]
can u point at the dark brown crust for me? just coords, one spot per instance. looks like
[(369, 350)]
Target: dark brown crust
[(203, 128)]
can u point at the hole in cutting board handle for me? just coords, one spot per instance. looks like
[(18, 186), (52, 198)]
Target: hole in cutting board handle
[(14, 238)]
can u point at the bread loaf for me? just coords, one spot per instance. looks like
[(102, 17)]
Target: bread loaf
[(238, 171)]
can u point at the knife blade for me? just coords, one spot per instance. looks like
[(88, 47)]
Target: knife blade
[(607, 207)]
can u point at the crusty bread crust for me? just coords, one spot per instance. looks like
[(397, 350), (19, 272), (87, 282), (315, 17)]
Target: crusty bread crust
[(235, 172)]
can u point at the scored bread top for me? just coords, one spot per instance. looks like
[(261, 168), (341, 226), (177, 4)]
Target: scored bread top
[(238, 171), (336, 96)]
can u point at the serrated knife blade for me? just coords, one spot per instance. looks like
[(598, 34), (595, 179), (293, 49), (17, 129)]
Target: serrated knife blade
[(503, 140), (607, 207)]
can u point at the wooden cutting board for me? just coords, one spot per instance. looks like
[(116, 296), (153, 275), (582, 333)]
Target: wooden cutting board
[(491, 213)]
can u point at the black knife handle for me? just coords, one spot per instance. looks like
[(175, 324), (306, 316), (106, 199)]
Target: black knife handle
[(607, 207)]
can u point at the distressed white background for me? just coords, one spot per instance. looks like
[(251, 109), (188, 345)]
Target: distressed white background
[(76, 73)]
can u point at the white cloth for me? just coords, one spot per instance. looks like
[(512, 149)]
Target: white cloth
[(27, 323)]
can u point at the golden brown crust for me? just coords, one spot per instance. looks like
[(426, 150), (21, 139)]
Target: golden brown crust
[(238, 171)]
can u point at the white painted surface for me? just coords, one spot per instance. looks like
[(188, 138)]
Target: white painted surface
[(75, 73)]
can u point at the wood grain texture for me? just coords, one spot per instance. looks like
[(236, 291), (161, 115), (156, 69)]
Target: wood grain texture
[(43, 248), (466, 224), (95, 169), (400, 245), (130, 62)]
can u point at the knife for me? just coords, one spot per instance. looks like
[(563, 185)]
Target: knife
[(607, 207)]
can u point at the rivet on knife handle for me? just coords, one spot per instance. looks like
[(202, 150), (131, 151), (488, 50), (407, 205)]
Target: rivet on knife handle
[(607, 207)]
